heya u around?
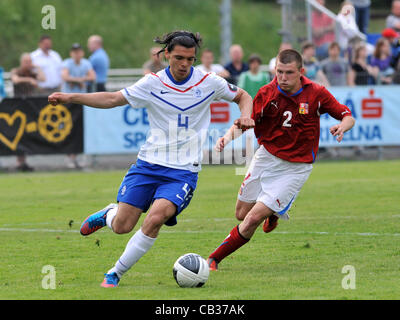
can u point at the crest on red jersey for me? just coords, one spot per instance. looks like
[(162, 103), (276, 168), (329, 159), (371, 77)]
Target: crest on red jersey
[(303, 109)]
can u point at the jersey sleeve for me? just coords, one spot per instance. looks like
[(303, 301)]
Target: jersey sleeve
[(329, 104), (138, 94), (223, 89)]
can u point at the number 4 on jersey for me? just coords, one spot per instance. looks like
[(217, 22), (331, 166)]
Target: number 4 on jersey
[(184, 124)]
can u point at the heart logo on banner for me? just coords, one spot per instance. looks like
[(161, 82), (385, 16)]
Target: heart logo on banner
[(11, 120)]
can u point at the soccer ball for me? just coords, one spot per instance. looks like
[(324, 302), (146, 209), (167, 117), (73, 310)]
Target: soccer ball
[(190, 270)]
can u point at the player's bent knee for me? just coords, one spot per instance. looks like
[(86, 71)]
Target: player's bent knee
[(121, 226), (121, 229), (242, 209), (240, 214), (254, 219)]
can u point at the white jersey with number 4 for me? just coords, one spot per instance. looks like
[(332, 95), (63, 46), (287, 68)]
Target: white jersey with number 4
[(179, 115)]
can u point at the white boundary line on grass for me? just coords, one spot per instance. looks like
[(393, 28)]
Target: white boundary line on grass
[(363, 234)]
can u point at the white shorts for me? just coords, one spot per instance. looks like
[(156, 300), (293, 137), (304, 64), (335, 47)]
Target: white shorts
[(273, 181)]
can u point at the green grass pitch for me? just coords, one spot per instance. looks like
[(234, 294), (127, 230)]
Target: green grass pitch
[(347, 213)]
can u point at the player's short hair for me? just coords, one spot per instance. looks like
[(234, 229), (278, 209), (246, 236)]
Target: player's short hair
[(183, 38), (289, 56)]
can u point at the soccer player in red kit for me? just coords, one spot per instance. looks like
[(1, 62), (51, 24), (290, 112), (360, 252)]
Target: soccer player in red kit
[(286, 113)]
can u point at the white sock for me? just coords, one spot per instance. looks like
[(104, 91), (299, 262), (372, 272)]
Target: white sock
[(110, 216), (137, 246)]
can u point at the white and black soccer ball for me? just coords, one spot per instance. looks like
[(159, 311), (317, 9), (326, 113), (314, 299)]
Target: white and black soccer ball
[(190, 270)]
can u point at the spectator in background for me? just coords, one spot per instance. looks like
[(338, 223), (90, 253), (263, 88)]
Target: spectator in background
[(335, 68), (26, 77), (25, 80), (50, 63), (236, 66), (155, 63), (393, 37), (100, 62), (76, 72), (382, 59), (361, 73), (348, 28), (362, 8), (2, 90), (312, 68), (323, 31), (207, 64), (393, 20), (272, 62), (252, 80)]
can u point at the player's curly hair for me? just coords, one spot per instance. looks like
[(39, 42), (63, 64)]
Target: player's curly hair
[(183, 38)]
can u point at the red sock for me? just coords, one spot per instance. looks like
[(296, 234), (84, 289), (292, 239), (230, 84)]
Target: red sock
[(231, 243)]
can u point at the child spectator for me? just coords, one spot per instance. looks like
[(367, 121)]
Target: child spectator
[(312, 66), (361, 73), (381, 59), (335, 68)]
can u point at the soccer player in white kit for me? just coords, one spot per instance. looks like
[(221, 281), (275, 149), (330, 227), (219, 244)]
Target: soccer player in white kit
[(165, 174)]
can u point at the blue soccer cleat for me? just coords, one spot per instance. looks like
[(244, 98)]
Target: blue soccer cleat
[(110, 280), (95, 221)]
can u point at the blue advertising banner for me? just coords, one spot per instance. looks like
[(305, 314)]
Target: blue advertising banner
[(376, 110), (114, 131)]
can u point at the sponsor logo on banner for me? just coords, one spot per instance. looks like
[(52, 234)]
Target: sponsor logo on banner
[(371, 107), (220, 112), (33, 126)]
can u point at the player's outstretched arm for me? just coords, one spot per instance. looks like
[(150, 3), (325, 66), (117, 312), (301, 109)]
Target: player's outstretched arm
[(345, 125), (245, 102), (102, 100), (233, 133)]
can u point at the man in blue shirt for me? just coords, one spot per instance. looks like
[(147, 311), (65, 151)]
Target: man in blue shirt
[(99, 60), (76, 70)]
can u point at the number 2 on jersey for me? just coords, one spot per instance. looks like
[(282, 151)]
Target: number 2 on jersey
[(287, 123)]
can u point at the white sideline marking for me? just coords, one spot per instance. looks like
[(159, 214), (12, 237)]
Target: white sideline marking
[(363, 234), (37, 230)]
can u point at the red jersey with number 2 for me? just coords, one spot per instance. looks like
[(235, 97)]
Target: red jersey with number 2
[(288, 126)]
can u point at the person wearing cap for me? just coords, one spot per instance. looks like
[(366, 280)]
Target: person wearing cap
[(393, 20), (394, 39), (252, 80), (76, 71)]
